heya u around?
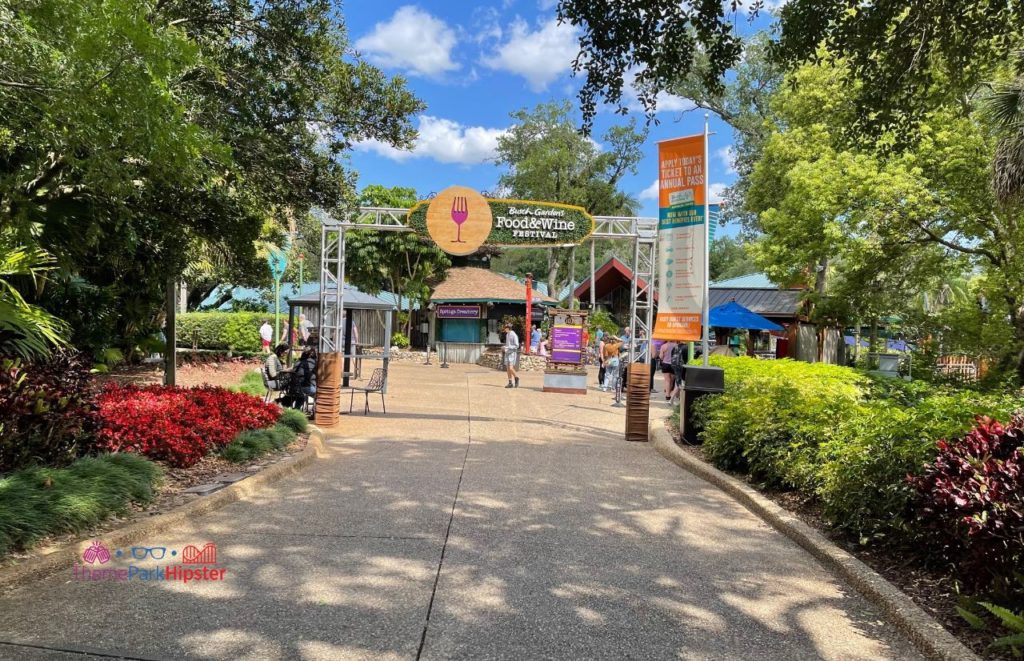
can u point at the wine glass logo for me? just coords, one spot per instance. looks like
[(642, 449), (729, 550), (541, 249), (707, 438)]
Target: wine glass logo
[(460, 212)]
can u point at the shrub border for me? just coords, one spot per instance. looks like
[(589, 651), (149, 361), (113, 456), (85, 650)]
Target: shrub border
[(928, 636), (21, 574)]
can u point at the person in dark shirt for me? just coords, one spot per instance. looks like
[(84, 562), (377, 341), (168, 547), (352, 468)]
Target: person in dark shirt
[(303, 382)]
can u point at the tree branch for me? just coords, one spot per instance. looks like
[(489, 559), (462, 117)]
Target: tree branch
[(957, 247)]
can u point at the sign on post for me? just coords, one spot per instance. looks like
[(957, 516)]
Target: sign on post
[(681, 218)]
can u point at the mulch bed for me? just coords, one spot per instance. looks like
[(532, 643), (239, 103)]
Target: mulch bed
[(224, 373), (932, 590)]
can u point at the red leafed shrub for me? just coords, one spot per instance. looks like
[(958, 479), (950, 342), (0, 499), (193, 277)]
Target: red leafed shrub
[(47, 414), (179, 425), (970, 502)]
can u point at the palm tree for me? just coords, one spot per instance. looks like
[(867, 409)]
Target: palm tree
[(27, 331), (1005, 106)]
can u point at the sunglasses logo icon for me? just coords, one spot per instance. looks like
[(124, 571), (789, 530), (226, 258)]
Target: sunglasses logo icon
[(155, 552)]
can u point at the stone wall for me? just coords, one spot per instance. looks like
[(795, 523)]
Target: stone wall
[(492, 359)]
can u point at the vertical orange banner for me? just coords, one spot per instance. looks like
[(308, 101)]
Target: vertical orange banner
[(681, 181)]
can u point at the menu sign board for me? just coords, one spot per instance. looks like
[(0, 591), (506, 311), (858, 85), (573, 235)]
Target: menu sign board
[(445, 311), (567, 336)]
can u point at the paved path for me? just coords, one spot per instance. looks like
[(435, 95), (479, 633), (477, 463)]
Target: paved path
[(471, 522)]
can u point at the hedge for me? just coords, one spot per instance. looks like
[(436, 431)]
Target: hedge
[(838, 435), (237, 331)]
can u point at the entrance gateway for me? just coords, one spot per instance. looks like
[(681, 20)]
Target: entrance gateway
[(460, 220)]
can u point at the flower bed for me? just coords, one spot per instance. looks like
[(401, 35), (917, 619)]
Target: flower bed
[(177, 425)]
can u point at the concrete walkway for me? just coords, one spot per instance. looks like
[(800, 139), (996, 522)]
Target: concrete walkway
[(471, 522)]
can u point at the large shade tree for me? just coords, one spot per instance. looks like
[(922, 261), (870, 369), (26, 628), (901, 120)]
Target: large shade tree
[(547, 158), (141, 138)]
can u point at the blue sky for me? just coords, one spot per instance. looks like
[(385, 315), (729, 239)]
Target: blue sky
[(472, 67)]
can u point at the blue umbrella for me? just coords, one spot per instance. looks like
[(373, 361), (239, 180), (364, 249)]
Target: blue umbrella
[(734, 315)]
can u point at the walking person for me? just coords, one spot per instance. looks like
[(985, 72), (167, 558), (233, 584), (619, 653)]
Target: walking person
[(600, 359), (669, 372), (267, 335), (535, 339), (612, 346), (511, 356)]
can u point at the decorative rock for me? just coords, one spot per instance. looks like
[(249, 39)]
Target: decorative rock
[(204, 489)]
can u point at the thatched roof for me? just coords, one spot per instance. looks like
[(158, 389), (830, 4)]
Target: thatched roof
[(476, 285)]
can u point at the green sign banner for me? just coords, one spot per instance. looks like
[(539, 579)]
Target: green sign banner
[(522, 223)]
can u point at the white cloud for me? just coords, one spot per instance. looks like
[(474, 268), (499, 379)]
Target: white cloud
[(665, 102), (540, 56), (412, 40), (445, 141), (546, 5), (651, 192), (715, 192), (727, 155)]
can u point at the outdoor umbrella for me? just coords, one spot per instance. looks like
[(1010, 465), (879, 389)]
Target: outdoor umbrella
[(734, 315)]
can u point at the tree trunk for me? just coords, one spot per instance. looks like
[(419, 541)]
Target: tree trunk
[(821, 277), (552, 273), (1017, 318), (873, 337)]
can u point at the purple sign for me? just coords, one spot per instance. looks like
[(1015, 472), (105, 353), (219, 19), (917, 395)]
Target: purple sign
[(566, 344), (458, 311)]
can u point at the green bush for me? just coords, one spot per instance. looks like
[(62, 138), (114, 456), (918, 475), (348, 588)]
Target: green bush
[(400, 340), (37, 502), (775, 414), (835, 433), (294, 419), (238, 331), (256, 442)]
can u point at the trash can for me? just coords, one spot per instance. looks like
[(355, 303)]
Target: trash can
[(698, 382)]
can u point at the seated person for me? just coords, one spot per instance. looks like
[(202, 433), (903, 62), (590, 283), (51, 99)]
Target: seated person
[(303, 381), (273, 369)]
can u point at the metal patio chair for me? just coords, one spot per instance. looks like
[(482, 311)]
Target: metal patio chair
[(376, 384)]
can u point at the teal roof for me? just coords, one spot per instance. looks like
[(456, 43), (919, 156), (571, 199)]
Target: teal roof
[(752, 281), (288, 290)]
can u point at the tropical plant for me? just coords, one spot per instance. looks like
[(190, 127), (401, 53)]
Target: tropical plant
[(1005, 106), (26, 330)]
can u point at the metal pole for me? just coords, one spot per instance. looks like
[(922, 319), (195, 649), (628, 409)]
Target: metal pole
[(277, 309), (572, 279), (339, 320), (636, 289), (322, 321), (705, 307), (170, 332), (593, 296)]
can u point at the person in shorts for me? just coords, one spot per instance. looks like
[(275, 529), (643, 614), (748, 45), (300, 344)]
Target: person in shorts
[(267, 335), (511, 356)]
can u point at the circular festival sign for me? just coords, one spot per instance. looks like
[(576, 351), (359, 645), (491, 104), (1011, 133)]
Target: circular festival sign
[(459, 220)]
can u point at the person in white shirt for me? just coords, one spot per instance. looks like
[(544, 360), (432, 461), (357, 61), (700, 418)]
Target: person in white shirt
[(511, 356), (304, 326), (267, 335)]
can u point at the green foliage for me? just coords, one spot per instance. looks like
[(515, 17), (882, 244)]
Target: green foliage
[(549, 160), (403, 263), (38, 502), (603, 320), (729, 258), (26, 330), (832, 432), (239, 331), (294, 419), (257, 442), (400, 340), (134, 153), (251, 384), (1014, 622)]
